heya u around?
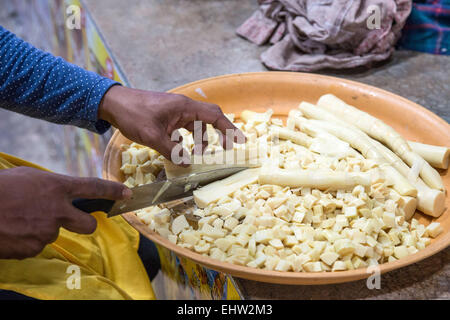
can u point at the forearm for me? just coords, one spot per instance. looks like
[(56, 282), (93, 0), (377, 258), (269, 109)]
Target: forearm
[(37, 84)]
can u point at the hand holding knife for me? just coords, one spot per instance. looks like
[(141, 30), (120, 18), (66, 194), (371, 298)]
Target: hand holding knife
[(156, 193)]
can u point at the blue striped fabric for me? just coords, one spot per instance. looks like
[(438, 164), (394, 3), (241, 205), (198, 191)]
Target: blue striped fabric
[(428, 27)]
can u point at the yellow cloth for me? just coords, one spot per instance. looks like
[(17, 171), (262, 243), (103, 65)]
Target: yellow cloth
[(109, 265)]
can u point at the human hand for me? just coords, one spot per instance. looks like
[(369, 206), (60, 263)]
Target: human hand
[(149, 118), (34, 204)]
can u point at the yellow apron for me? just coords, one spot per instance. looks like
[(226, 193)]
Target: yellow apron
[(103, 265)]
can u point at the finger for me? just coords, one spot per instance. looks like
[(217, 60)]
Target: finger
[(92, 188), (205, 140), (200, 136), (78, 221), (190, 126), (212, 114), (173, 151), (49, 236), (228, 128), (225, 141), (52, 237)]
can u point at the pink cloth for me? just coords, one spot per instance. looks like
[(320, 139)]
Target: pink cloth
[(309, 35)]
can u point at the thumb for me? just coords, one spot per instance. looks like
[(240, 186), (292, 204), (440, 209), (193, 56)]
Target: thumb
[(78, 221), (92, 188)]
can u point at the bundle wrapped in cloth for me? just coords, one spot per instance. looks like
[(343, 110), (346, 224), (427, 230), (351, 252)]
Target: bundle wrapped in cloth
[(308, 35)]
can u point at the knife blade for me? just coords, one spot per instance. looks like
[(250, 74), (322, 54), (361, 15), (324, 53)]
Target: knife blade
[(156, 193)]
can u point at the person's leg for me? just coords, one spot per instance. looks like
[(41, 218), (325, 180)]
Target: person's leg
[(149, 255)]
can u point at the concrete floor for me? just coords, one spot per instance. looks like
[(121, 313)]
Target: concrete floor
[(37, 141), (173, 42)]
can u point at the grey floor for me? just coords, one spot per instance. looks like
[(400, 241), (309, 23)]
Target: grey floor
[(31, 139)]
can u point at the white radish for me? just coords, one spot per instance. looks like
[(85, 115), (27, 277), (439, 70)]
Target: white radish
[(319, 179), (362, 143), (222, 188), (248, 115), (429, 201), (378, 130), (406, 204), (437, 156), (294, 136), (214, 161)]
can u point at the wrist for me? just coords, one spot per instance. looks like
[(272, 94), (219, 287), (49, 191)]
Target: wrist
[(111, 104)]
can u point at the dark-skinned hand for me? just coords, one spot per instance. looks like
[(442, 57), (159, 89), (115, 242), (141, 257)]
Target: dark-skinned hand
[(35, 204), (149, 118)]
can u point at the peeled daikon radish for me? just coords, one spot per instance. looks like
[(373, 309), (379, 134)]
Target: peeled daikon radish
[(221, 188), (320, 179), (377, 129), (437, 156)]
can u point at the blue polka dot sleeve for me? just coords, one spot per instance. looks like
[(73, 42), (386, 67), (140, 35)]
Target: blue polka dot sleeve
[(40, 85)]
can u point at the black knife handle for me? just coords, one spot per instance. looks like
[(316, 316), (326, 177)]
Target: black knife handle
[(92, 205)]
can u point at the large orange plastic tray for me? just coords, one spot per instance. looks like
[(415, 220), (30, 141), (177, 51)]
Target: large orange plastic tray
[(283, 91)]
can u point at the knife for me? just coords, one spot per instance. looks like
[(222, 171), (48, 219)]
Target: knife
[(156, 193)]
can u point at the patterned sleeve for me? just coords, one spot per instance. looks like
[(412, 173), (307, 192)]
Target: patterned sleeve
[(40, 85)]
